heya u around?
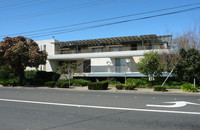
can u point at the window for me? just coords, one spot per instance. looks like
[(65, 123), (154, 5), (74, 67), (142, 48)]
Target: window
[(119, 65), (97, 49), (115, 48), (44, 47)]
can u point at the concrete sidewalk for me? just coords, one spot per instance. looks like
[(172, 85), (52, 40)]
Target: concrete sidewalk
[(113, 90), (137, 90)]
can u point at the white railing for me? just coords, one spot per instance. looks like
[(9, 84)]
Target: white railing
[(108, 50)]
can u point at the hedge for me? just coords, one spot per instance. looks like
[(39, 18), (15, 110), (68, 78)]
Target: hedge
[(188, 87), (63, 84), (79, 82), (160, 88), (129, 87), (50, 84), (98, 85), (119, 86), (9, 82)]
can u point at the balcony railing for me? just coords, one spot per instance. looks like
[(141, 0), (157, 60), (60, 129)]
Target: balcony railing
[(110, 50)]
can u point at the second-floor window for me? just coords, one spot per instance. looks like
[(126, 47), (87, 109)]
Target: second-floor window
[(100, 49), (115, 48)]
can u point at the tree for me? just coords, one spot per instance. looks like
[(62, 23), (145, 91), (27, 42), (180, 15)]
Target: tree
[(169, 59), (67, 69), (150, 64), (188, 66), (19, 53), (188, 39)]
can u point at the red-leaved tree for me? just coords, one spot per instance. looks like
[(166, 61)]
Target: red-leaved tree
[(21, 52)]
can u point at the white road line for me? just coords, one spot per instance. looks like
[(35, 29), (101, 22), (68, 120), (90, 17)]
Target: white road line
[(101, 107)]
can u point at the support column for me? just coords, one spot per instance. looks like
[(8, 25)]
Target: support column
[(153, 43), (143, 44), (98, 48), (76, 48)]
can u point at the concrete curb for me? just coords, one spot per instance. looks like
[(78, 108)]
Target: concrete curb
[(113, 90)]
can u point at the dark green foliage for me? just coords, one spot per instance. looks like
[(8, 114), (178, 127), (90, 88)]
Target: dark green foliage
[(113, 82), (160, 88), (45, 76), (6, 72), (50, 84), (140, 83), (9, 82), (98, 85), (38, 78), (59, 84), (129, 87), (150, 64), (55, 77), (79, 82), (30, 74), (63, 84), (187, 87), (188, 67), (34, 82), (119, 86)]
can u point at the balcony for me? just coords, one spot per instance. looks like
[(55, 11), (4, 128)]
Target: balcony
[(104, 49)]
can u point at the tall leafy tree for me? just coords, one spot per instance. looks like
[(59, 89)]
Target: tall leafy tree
[(67, 69), (19, 53), (188, 67), (150, 64)]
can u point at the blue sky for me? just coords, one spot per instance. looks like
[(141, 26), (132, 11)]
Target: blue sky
[(19, 16)]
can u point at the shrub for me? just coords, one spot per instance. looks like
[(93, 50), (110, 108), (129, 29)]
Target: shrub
[(63, 84), (129, 87), (6, 72), (5, 83), (160, 88), (30, 73), (39, 78), (34, 81), (55, 77), (188, 87), (98, 85), (45, 76), (119, 86), (114, 82), (59, 83), (79, 82), (50, 84), (9, 82), (140, 83), (132, 81)]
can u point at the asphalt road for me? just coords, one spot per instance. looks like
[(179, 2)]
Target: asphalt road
[(47, 109)]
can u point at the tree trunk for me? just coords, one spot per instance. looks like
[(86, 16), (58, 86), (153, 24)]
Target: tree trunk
[(21, 77)]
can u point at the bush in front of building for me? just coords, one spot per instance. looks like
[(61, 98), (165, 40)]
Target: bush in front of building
[(50, 84), (39, 78), (98, 85), (119, 86), (9, 82), (129, 87), (62, 84), (139, 83), (125, 86), (188, 87), (160, 88), (79, 82)]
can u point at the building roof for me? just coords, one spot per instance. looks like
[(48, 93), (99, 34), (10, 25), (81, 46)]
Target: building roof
[(114, 40)]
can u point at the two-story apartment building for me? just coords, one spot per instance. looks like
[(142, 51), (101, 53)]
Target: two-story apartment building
[(105, 57)]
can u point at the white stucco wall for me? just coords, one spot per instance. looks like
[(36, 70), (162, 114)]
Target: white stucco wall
[(100, 64), (50, 49)]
